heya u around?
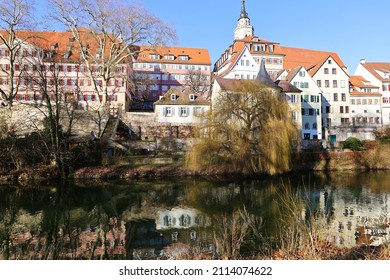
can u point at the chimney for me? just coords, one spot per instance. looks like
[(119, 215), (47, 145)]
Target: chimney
[(362, 61)]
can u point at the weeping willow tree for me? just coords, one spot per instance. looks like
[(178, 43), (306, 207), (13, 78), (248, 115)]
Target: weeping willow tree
[(249, 130)]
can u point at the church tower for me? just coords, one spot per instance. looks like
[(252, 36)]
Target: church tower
[(244, 27)]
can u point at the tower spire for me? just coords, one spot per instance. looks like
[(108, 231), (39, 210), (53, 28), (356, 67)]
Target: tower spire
[(243, 14), (244, 27)]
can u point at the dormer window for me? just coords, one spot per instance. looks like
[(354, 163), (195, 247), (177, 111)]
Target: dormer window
[(192, 97), (183, 57), (259, 47), (169, 57), (67, 55), (271, 48), (173, 97), (154, 56), (53, 47)]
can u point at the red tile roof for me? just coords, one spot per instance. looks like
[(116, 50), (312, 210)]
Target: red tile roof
[(287, 87), (359, 81), (195, 55), (381, 66), (182, 98), (62, 40), (310, 59)]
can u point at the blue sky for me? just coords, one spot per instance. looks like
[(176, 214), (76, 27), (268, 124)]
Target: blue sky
[(354, 29)]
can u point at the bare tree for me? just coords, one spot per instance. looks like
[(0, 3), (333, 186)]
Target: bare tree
[(107, 33), (14, 15), (199, 82)]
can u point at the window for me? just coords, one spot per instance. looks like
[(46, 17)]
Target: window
[(315, 99), (314, 126), (329, 61), (341, 110), (347, 109), (184, 111), (319, 83), (385, 100), (173, 96), (168, 112), (293, 98), (301, 73), (307, 126), (192, 97), (335, 97), (334, 71), (169, 57), (294, 115), (343, 97), (304, 85), (183, 57), (353, 101), (326, 70), (326, 83), (342, 83), (311, 112), (154, 56), (334, 83)]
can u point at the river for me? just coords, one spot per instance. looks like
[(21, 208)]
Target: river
[(160, 220)]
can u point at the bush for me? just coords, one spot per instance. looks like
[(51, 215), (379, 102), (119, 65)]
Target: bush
[(354, 144)]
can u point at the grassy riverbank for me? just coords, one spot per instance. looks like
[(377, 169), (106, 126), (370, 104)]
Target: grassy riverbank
[(375, 157)]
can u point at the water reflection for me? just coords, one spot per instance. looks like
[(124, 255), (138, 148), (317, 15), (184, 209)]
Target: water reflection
[(169, 220)]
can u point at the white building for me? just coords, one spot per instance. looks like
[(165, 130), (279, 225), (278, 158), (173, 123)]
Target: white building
[(365, 103), (331, 76), (378, 74), (181, 106), (310, 99)]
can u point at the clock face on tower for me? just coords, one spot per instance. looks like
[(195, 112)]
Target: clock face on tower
[(243, 21)]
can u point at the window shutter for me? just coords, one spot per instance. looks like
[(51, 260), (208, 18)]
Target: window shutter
[(173, 111), (164, 111)]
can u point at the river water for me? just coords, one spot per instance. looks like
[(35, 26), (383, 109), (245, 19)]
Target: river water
[(157, 220)]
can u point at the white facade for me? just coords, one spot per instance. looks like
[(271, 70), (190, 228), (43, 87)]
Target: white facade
[(246, 67), (334, 84), (181, 106), (379, 75), (310, 103), (365, 103)]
